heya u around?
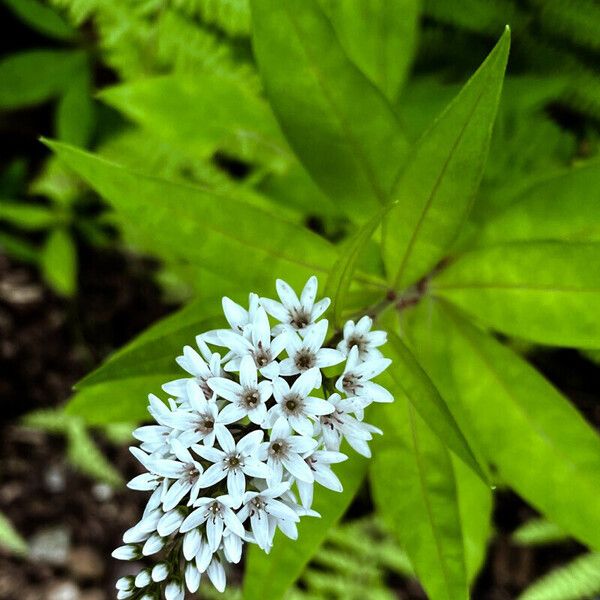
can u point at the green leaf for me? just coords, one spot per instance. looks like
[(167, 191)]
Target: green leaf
[(10, 538), (379, 36), (546, 292), (82, 451), (408, 376), (34, 76), (563, 207), (538, 532), (271, 575), (75, 112), (170, 105), (122, 400), (205, 227), (339, 124), (85, 455), (26, 215), (578, 580), (49, 420), (533, 438), (19, 249), (117, 391), (154, 351), (438, 186), (42, 18), (59, 262), (415, 491), (342, 272), (475, 504)]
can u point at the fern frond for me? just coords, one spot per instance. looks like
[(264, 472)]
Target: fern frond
[(577, 21), (479, 16), (230, 16), (578, 580), (186, 46)]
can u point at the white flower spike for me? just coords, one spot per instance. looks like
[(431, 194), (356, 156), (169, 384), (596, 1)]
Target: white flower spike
[(245, 434)]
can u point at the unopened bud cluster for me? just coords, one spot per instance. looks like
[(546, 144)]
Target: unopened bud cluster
[(237, 449)]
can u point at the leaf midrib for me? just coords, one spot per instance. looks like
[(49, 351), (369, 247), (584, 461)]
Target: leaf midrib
[(426, 502), (434, 190), (337, 114), (541, 434)]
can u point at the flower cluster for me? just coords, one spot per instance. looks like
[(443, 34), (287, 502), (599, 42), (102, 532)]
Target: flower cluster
[(237, 449)]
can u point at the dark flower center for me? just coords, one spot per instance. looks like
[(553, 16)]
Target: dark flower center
[(205, 424), (262, 356), (350, 383), (299, 318), (192, 473), (305, 359), (233, 461), (278, 448), (250, 398), (293, 404), (358, 341)]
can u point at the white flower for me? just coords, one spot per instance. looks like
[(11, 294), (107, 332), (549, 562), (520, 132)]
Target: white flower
[(142, 579), (185, 471), (202, 421), (295, 404), (320, 463), (216, 574), (174, 591), (216, 513), (127, 552), (294, 312), (237, 316), (248, 397), (304, 354), (144, 529), (232, 546), (284, 450), (208, 438), (192, 577), (234, 461), (341, 424), (361, 336), (356, 378), (201, 367), (155, 543), (160, 572), (259, 506), (260, 347), (170, 522)]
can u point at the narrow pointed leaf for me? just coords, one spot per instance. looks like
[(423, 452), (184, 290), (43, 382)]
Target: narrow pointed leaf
[(339, 124), (10, 538), (118, 401), (59, 262), (534, 439), (170, 105), (564, 207), (35, 76), (154, 351), (42, 18), (210, 228), (438, 186), (379, 36), (547, 292), (423, 504), (342, 272), (409, 377)]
